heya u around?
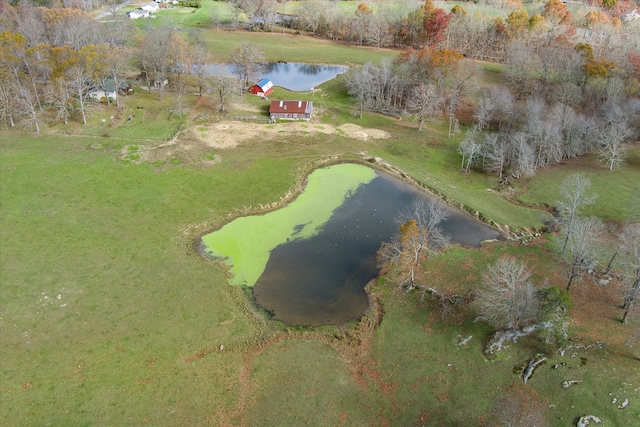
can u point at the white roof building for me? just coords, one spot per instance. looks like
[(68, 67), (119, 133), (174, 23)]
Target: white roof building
[(138, 13), (150, 6)]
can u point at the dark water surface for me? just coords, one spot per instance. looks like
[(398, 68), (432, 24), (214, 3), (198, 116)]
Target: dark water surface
[(321, 280), (299, 76)]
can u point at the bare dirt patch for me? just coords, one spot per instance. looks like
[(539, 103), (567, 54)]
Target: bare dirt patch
[(229, 134), (358, 132), (193, 144)]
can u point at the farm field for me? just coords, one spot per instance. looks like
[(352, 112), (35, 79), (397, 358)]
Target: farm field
[(109, 314)]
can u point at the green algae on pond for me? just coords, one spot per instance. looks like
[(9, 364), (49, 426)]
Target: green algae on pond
[(246, 243)]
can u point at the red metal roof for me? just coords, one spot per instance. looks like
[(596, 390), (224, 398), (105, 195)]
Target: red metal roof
[(299, 107), (263, 86)]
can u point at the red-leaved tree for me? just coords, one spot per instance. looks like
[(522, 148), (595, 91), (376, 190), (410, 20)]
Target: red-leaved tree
[(435, 25)]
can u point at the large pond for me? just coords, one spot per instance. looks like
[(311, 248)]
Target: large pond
[(308, 263)]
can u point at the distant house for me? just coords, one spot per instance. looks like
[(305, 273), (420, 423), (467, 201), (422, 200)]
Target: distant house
[(151, 7), (107, 89), (138, 13), (263, 88), (632, 15), (290, 110)]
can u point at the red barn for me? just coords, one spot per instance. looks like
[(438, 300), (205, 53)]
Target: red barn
[(290, 110), (263, 88)]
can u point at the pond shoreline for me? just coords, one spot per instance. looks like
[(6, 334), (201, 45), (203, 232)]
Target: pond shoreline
[(301, 180), (373, 162)]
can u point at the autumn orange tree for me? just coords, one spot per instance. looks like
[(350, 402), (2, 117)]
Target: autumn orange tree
[(404, 254), (556, 12), (427, 63), (363, 17)]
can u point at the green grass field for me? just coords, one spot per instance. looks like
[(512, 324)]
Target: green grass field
[(109, 316)]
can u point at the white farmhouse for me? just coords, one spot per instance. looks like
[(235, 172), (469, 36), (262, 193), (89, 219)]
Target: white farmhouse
[(151, 7), (138, 13)]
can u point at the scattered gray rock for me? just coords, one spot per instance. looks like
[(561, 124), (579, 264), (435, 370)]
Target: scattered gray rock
[(498, 340), (586, 420), (464, 341), (567, 384), (624, 404), (531, 366)]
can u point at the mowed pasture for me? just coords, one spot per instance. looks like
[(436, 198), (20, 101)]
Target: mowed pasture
[(110, 316)]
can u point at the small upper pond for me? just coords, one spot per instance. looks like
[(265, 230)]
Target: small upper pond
[(308, 263), (300, 77), (294, 76)]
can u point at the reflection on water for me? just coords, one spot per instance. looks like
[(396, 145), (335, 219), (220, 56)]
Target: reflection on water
[(294, 76), (321, 280), (301, 77)]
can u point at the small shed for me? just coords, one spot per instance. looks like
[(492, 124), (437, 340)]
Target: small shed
[(263, 88), (290, 110)]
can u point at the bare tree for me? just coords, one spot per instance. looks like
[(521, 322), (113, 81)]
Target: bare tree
[(261, 13), (247, 61), (507, 298), (362, 22), (378, 31), (358, 82), (524, 157), (8, 101), (181, 57), (80, 81), (574, 196), (28, 106), (520, 406), (59, 96), (580, 249), (520, 60), (425, 103), (503, 110), (428, 214), (223, 86), (312, 13), (483, 112), (234, 18), (495, 151), (452, 101), (16, 59), (153, 56), (118, 63), (470, 148), (630, 266), (119, 29), (29, 23), (612, 137)]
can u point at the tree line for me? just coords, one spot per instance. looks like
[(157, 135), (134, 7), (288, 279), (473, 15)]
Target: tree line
[(52, 58)]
